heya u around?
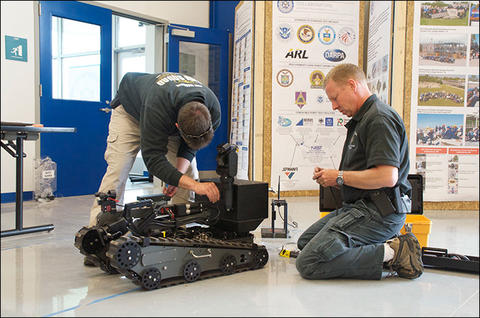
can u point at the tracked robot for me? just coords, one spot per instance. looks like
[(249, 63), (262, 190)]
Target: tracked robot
[(156, 244)]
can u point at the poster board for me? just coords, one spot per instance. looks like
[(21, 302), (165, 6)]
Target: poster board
[(379, 49), (306, 18), (241, 115), (444, 41)]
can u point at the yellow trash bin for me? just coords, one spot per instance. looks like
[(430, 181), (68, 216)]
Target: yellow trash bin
[(419, 225)]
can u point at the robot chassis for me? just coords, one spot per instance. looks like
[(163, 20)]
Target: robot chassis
[(156, 244)]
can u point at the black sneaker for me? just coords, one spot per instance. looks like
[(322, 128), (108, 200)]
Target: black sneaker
[(407, 261)]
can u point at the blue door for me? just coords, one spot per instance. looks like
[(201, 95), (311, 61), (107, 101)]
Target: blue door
[(76, 79), (203, 54)]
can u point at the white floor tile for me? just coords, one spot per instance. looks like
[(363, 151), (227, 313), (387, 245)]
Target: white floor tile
[(42, 274)]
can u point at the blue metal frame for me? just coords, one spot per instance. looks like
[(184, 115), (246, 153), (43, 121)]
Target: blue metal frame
[(79, 158), (206, 157), (84, 13)]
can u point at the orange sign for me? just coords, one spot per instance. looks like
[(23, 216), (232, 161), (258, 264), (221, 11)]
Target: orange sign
[(463, 151), (431, 150)]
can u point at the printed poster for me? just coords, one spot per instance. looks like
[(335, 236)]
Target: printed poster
[(379, 48), (309, 38), (242, 85), (444, 143)]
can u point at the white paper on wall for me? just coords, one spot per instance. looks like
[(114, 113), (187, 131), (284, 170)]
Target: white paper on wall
[(444, 103), (309, 38)]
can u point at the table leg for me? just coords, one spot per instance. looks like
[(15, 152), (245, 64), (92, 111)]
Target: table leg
[(19, 229)]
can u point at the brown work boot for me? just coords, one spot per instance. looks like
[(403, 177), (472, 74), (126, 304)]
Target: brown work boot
[(89, 262), (407, 261)]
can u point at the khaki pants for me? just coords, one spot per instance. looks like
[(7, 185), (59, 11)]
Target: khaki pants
[(123, 144)]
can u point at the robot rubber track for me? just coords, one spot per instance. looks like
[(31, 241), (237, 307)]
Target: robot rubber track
[(159, 262)]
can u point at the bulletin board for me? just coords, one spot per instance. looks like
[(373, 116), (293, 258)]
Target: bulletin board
[(379, 49), (335, 54), (417, 107), (241, 115)]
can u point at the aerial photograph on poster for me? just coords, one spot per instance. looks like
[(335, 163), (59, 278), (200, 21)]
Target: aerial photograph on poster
[(440, 129), (443, 49), (444, 13), (441, 90)]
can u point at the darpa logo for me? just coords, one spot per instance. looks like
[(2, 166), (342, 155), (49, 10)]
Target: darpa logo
[(300, 54), (334, 55), (289, 172)]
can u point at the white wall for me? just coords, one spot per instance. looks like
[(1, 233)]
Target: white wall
[(194, 13), (19, 80), (18, 88)]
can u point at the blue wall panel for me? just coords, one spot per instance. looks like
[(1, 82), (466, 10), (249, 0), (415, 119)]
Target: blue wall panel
[(10, 196), (222, 15)]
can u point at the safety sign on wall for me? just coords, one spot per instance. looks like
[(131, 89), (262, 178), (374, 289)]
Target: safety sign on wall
[(15, 48)]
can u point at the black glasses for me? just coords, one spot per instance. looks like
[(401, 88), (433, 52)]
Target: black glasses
[(196, 136)]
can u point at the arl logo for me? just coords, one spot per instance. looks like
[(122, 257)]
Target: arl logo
[(300, 54)]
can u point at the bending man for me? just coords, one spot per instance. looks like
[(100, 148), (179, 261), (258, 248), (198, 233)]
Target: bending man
[(169, 116)]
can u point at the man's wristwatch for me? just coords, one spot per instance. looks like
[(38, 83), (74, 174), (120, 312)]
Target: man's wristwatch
[(340, 180)]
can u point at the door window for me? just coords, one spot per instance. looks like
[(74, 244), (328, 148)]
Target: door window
[(128, 48), (136, 48), (130, 32), (201, 61), (75, 60)]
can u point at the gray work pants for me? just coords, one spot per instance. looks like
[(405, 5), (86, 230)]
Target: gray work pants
[(123, 144), (348, 242)]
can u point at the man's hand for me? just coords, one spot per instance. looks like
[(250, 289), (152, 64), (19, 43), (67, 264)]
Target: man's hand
[(316, 171), (373, 178), (325, 177), (206, 188), (170, 190), (209, 189)]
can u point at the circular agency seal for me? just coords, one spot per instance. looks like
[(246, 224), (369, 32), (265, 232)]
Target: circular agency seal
[(285, 6), (346, 36), (326, 34), (284, 78), (305, 34)]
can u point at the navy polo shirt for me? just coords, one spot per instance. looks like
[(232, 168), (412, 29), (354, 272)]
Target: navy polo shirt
[(375, 136)]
